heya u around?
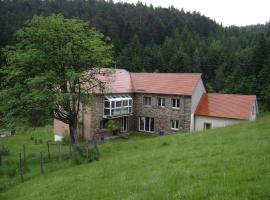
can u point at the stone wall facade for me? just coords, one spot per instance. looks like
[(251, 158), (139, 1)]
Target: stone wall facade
[(91, 116), (163, 115), (97, 116)]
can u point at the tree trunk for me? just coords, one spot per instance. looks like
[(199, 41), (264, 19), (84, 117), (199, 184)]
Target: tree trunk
[(74, 135)]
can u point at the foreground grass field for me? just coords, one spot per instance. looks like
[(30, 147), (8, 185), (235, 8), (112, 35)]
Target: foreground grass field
[(228, 163)]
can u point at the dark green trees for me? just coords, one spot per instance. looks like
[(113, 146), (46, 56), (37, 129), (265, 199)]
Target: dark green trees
[(45, 70)]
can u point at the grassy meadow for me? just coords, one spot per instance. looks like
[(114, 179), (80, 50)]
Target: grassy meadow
[(225, 163)]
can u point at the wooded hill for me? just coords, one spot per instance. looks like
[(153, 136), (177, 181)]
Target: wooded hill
[(145, 38)]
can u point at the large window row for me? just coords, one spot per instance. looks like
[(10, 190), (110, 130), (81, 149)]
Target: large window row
[(117, 105), (146, 124), (161, 102)]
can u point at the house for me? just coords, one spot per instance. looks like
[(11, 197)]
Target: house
[(159, 103), (219, 110)]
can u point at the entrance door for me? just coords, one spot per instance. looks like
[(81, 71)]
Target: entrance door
[(207, 126), (124, 124)]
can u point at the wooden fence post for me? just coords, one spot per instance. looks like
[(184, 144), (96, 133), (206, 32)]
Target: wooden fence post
[(0, 157), (70, 149), (41, 163), (87, 153), (24, 155), (59, 153), (49, 153), (20, 166)]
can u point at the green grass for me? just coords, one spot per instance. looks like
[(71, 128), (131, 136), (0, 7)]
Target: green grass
[(226, 163)]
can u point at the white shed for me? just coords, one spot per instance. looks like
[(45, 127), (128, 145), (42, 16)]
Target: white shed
[(220, 110)]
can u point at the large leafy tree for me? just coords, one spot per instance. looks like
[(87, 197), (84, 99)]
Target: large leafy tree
[(52, 69)]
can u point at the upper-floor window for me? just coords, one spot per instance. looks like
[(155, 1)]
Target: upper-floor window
[(147, 101), (161, 102), (176, 103), (175, 124), (117, 105)]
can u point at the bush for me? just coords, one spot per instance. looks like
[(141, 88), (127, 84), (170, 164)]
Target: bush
[(4, 150), (12, 171), (66, 140), (93, 154), (111, 126), (164, 144), (77, 158)]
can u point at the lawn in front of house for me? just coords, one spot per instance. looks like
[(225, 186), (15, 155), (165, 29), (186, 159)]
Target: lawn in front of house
[(225, 163)]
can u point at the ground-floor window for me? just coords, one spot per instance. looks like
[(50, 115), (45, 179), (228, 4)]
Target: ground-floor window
[(102, 123), (207, 126), (146, 124), (175, 124)]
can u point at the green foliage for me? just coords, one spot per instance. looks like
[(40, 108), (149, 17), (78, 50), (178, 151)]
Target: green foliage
[(77, 158), (223, 163), (111, 125), (45, 67), (12, 171), (66, 140), (4, 150)]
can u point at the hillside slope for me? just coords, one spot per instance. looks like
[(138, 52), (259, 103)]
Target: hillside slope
[(227, 163)]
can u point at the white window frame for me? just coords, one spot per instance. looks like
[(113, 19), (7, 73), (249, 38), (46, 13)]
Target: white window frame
[(174, 123), (162, 102), (115, 110), (145, 101), (144, 124), (173, 106)]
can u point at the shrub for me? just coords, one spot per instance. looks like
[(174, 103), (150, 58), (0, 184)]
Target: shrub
[(4, 150), (93, 154), (164, 143), (77, 158), (66, 140), (12, 171), (111, 126)]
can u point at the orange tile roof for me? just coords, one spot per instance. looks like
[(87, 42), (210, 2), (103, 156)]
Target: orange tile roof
[(119, 82), (226, 105), (122, 81), (165, 83)]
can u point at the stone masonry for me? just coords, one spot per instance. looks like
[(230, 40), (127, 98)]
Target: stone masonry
[(163, 115)]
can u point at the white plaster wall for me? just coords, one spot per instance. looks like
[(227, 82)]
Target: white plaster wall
[(215, 121), (197, 94), (195, 99), (253, 115)]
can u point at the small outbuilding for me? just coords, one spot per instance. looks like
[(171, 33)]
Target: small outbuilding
[(220, 110)]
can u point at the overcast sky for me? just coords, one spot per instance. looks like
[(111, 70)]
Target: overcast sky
[(227, 12)]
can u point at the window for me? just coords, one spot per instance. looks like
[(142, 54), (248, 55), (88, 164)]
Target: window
[(176, 103), (207, 126), (102, 124), (175, 124), (161, 102), (117, 105), (146, 124), (147, 101)]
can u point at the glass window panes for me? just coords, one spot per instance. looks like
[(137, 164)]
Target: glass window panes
[(106, 104), (176, 103), (117, 105), (147, 101), (161, 102), (146, 124), (175, 124)]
